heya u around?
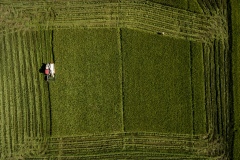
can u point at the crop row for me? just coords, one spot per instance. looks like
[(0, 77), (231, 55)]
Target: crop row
[(23, 106), (213, 6), (125, 155), (216, 77), (134, 142), (144, 15), (157, 135), (216, 65)]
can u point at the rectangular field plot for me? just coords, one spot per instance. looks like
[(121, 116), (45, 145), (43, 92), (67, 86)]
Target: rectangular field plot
[(157, 83), (86, 96)]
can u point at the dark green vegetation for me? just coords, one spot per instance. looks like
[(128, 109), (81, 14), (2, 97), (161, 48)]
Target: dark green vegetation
[(157, 83), (235, 13), (156, 93), (135, 79), (198, 90), (86, 97)]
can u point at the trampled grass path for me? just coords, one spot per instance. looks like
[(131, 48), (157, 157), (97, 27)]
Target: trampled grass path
[(142, 15)]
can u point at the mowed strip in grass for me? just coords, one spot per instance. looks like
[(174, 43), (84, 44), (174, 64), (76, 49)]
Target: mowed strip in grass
[(86, 96), (157, 83)]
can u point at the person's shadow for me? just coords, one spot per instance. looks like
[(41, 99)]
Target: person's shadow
[(42, 69)]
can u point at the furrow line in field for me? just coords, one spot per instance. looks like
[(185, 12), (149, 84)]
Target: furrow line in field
[(47, 58), (204, 8), (35, 92), (212, 91), (226, 90), (15, 89), (45, 116), (218, 88), (142, 135), (171, 10), (152, 140), (86, 147), (130, 144), (207, 85), (39, 84), (164, 149), (84, 151), (162, 16), (45, 109), (213, 105), (130, 155), (23, 103), (4, 141), (153, 29), (180, 29), (26, 74), (185, 17), (7, 96), (209, 6), (141, 10), (221, 85), (168, 142), (29, 79)]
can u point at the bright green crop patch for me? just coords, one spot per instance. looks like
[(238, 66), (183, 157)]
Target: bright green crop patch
[(157, 83), (86, 96)]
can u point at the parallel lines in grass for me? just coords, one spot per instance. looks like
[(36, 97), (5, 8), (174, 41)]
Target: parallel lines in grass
[(4, 142), (22, 86), (133, 142), (207, 86), (38, 82), (213, 105), (45, 100), (119, 41), (226, 108), (8, 96), (192, 87), (14, 88), (218, 87), (18, 88), (130, 155), (35, 84), (115, 14), (26, 74)]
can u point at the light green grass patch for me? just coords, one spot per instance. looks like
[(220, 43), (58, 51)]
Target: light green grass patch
[(157, 83), (86, 95)]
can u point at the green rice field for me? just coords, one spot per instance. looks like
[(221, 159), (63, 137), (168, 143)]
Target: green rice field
[(144, 79)]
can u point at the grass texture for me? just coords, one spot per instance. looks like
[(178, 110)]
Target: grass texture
[(157, 84), (86, 96), (235, 5)]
